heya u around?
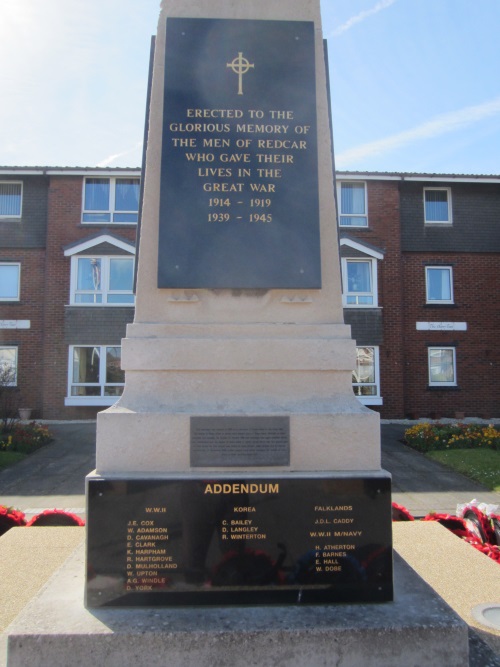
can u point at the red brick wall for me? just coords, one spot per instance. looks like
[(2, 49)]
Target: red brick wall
[(64, 228), (29, 341), (383, 232), (477, 302)]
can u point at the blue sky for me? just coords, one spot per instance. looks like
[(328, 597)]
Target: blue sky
[(414, 83)]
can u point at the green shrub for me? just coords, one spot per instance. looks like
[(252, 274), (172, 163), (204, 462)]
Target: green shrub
[(24, 438)]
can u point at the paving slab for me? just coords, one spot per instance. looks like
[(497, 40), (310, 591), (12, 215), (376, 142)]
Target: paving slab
[(418, 628)]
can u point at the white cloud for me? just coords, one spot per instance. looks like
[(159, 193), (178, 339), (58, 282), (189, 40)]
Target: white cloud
[(383, 4), (108, 161), (442, 124)]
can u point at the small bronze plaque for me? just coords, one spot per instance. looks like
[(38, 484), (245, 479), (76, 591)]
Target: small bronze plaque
[(240, 441)]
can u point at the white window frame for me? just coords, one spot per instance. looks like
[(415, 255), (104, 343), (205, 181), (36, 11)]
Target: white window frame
[(451, 348), (18, 297), (440, 268), (112, 198), (105, 275), (374, 283), (16, 359), (375, 399), (449, 221), (352, 215), (13, 216), (100, 400)]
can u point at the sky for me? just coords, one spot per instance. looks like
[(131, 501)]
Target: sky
[(415, 84)]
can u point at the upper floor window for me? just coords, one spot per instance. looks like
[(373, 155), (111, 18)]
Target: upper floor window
[(442, 367), (437, 205), (439, 284), (10, 273), (102, 280), (111, 200), (360, 282), (8, 365), (353, 205), (11, 197)]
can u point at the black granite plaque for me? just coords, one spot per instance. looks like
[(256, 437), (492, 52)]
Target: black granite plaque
[(239, 172), (240, 441), (238, 540)]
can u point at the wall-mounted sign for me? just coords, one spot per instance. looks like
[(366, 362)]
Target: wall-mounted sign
[(441, 326), (15, 324)]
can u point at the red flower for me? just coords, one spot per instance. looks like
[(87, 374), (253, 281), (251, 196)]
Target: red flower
[(55, 518), (10, 518)]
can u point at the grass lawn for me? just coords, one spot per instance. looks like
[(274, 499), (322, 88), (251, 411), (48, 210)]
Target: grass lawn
[(9, 458), (481, 465)]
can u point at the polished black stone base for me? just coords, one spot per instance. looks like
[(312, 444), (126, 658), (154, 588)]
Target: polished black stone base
[(238, 540)]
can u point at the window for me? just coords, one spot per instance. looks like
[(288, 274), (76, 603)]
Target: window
[(95, 376), (442, 367), (10, 273), (365, 377), (437, 205), (439, 284), (11, 195), (8, 366), (360, 282), (111, 200), (102, 280), (352, 202)]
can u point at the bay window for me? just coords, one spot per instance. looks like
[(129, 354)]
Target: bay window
[(359, 282), (365, 376), (102, 280), (95, 375)]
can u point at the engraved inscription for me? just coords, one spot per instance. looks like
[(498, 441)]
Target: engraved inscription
[(240, 441)]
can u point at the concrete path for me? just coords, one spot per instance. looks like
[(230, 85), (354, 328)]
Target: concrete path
[(54, 477)]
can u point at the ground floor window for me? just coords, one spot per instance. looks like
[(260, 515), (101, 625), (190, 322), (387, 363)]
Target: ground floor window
[(95, 375), (365, 377), (8, 366), (442, 367)]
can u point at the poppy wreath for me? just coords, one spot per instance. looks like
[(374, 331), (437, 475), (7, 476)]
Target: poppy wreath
[(10, 518), (478, 519), (453, 523), (400, 513), (55, 518)]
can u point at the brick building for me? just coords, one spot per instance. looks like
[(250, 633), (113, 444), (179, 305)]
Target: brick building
[(67, 248), (420, 256), (421, 263)]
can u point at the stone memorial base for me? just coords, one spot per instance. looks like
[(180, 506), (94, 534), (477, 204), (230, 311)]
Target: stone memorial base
[(238, 538), (418, 628)]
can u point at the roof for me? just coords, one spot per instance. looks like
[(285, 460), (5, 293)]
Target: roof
[(71, 171), (354, 175), (414, 176)]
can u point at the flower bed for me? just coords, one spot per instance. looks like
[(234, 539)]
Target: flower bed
[(24, 438), (427, 437)]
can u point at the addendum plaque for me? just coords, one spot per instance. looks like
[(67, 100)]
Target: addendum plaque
[(239, 540), (239, 172)]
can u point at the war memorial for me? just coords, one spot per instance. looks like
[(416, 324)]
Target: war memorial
[(238, 498)]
